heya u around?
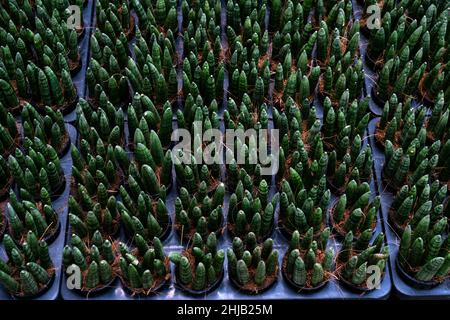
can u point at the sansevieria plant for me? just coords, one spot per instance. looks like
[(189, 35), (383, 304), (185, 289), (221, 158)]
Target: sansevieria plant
[(29, 268), (114, 17), (199, 269), (49, 128), (36, 168), (98, 261), (355, 259), (27, 216), (412, 203), (145, 269), (355, 211), (308, 264), (9, 133), (200, 213), (251, 211), (424, 251), (252, 268)]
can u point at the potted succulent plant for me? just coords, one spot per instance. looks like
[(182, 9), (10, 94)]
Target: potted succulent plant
[(199, 213), (28, 216), (142, 206), (29, 271), (6, 179), (354, 211), (49, 128), (199, 269), (154, 73), (9, 133), (423, 259), (355, 259), (308, 264), (36, 168), (412, 203), (105, 75), (146, 124), (251, 211), (252, 268), (114, 17), (97, 262), (144, 270), (159, 15), (302, 209)]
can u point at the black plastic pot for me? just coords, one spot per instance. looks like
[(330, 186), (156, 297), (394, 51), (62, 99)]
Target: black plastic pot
[(97, 291), (44, 289), (196, 293), (143, 293), (263, 289), (422, 285), (300, 289)]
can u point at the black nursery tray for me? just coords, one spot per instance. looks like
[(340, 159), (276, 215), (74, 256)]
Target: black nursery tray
[(403, 288)]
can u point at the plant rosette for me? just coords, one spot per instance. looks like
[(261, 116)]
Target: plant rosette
[(299, 211), (9, 133), (420, 267), (356, 258), (13, 100), (113, 20), (144, 118), (308, 264), (143, 215), (251, 212), (98, 263), (252, 268), (354, 212), (200, 213), (190, 177), (50, 128), (6, 179), (26, 216), (144, 270), (199, 269), (29, 271)]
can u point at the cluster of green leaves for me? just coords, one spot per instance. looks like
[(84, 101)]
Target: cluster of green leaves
[(49, 128), (96, 180), (299, 132), (356, 258), (36, 168), (99, 127), (9, 133), (249, 115), (246, 26), (424, 250), (156, 15), (5, 178), (27, 216), (412, 203), (199, 213), (251, 265), (201, 266), (250, 210), (308, 262), (144, 121), (114, 17), (203, 67), (412, 48), (303, 207), (154, 72), (145, 268), (29, 268), (354, 211), (142, 206), (97, 261), (106, 74), (294, 35), (296, 82), (24, 81), (343, 77)]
